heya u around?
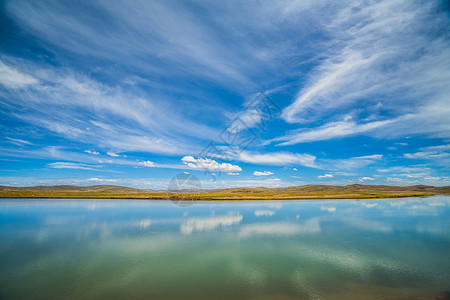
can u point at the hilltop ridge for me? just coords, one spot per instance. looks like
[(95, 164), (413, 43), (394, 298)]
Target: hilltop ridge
[(354, 191)]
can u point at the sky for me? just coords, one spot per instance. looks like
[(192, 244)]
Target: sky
[(285, 92)]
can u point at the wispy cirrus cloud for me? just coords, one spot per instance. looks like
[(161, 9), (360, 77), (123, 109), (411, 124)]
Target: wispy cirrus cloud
[(176, 38), (70, 165), (350, 163), (13, 78), (278, 158), (168, 77), (18, 142), (332, 130), (389, 57), (83, 109), (438, 155)]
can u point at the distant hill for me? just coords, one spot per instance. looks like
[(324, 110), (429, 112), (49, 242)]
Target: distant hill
[(73, 188), (353, 191), (338, 189)]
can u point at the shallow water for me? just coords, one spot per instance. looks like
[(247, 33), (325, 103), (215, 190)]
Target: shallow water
[(135, 249)]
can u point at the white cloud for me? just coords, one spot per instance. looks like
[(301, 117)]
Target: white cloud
[(70, 165), (325, 176), (103, 180), (278, 158), (92, 152), (427, 155), (330, 131), (112, 154), (247, 119), (402, 169), (390, 55), (181, 40), (233, 174), (295, 169), (401, 181), (147, 163), (263, 173), (209, 164), (13, 78), (90, 108), (350, 163), (431, 178), (18, 142), (108, 161), (273, 179), (437, 153), (363, 179)]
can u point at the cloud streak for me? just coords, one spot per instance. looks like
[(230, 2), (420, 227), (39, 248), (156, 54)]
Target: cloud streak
[(70, 165), (388, 55)]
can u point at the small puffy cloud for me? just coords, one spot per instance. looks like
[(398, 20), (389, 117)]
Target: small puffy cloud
[(363, 179), (209, 164), (92, 152), (295, 169), (325, 176), (112, 154), (234, 174), (263, 173), (69, 165), (147, 163)]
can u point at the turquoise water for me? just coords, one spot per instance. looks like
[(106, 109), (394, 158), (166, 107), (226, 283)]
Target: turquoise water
[(135, 249)]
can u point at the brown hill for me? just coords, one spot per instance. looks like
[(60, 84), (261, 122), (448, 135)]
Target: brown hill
[(354, 191), (353, 188), (73, 188)]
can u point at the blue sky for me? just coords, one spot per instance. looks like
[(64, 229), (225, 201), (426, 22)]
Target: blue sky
[(131, 93)]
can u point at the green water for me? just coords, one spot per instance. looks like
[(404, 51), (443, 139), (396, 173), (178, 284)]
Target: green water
[(134, 249)]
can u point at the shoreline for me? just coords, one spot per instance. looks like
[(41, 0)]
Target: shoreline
[(211, 196)]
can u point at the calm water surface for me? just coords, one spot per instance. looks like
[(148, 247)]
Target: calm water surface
[(134, 249)]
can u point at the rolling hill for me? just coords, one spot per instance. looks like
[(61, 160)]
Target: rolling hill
[(355, 191)]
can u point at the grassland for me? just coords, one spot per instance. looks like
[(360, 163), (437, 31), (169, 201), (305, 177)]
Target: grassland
[(354, 191)]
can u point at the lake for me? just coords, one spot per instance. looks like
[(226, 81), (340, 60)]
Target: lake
[(137, 249)]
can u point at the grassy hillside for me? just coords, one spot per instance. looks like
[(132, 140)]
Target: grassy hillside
[(354, 191)]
